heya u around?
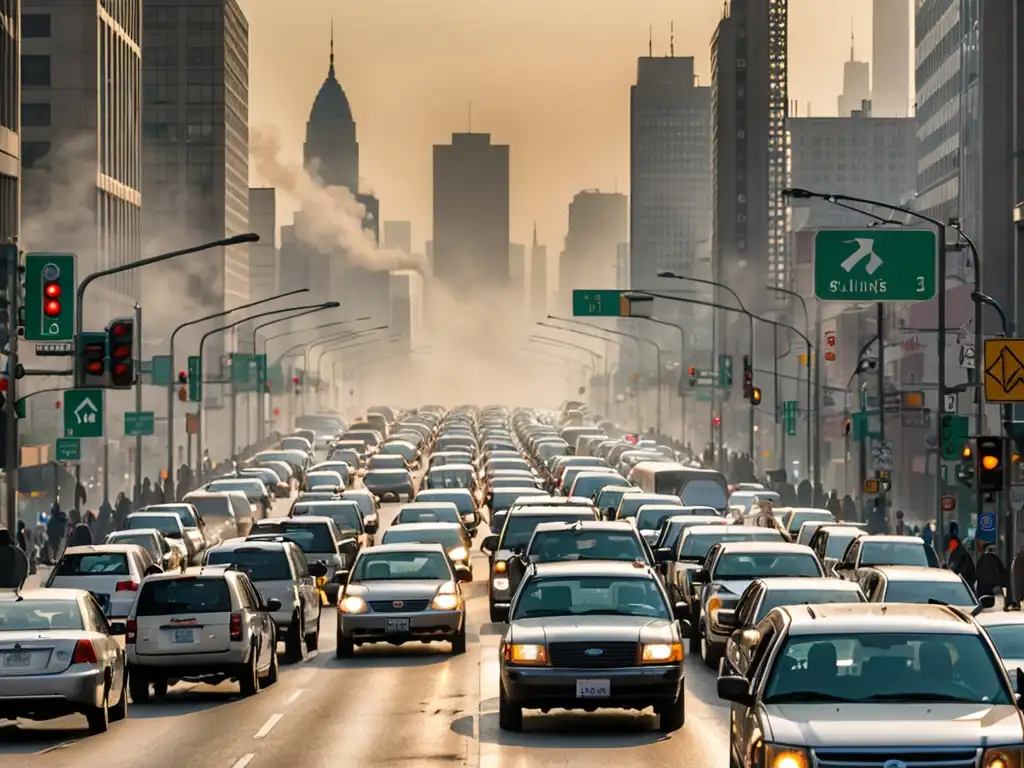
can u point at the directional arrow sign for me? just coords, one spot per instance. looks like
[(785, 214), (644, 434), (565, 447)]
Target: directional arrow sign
[(870, 265), (83, 413)]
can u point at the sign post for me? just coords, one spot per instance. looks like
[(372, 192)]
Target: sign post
[(875, 264), (83, 413)]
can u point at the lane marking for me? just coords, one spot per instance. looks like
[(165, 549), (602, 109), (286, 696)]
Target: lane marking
[(243, 761), (306, 675), (268, 726), (294, 696)]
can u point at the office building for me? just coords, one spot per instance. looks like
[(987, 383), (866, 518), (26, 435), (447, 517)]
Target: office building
[(406, 309), (471, 212), (398, 236), (518, 272), (670, 169), (195, 144), (538, 278), (10, 111), (890, 58), (264, 258), (750, 144), (80, 139), (598, 222), (856, 84)]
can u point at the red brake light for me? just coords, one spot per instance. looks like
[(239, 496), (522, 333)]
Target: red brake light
[(126, 586), (236, 626), (131, 631), (84, 653)]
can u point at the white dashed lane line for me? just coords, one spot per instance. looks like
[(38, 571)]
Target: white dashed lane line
[(295, 696), (268, 726), (243, 761)]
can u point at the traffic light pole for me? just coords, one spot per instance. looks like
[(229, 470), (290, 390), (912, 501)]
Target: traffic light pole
[(880, 322), (138, 408), (10, 415)]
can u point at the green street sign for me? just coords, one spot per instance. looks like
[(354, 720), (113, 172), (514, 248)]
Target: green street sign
[(875, 264), (162, 370), (789, 410), (599, 304), (195, 378), (954, 436), (139, 423), (83, 413), (725, 370), (50, 296), (248, 372), (69, 449)]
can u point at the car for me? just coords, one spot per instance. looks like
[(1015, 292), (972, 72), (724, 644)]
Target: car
[(400, 593), (1006, 631), (346, 516), (501, 499), (278, 569), (630, 503), (452, 536), (209, 624), (254, 490), (671, 531), (169, 554), (452, 476), (916, 584), (461, 497), (830, 540), (386, 461), (855, 684), (649, 518), (111, 573), (791, 518), (191, 520), (269, 477), (405, 448), (884, 549), (428, 512), (319, 539), (218, 513), (342, 468), (169, 525), (324, 480), (393, 483), (588, 483), (60, 656), (590, 635)]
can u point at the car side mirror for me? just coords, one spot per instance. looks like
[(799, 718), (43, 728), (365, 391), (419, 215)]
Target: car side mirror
[(663, 555), (735, 689), (699, 576), (489, 544), (518, 549), (726, 618), (340, 577), (987, 601), (685, 627), (463, 574), (371, 526), (318, 569), (273, 605)]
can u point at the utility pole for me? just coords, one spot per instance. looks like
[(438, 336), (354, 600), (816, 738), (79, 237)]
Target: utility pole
[(880, 322), (138, 408), (9, 263)]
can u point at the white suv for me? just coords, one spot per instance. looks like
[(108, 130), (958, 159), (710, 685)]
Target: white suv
[(207, 625)]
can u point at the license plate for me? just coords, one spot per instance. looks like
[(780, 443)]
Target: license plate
[(17, 658), (183, 636), (396, 625), (593, 689)]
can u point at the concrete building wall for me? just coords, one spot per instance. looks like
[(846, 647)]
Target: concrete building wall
[(10, 112), (264, 257)]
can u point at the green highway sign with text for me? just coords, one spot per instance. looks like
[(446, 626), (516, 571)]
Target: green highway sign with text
[(599, 304), (50, 287), (875, 264), (789, 411), (83, 413), (248, 372), (725, 370), (139, 423), (954, 436), (195, 378), (69, 449), (161, 370)]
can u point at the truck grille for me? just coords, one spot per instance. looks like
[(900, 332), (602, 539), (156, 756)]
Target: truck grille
[(910, 758), (617, 654), (407, 606)]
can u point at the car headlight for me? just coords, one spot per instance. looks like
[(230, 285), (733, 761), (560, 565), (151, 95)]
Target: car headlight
[(500, 584), (786, 757), (500, 567), (661, 653), (459, 553), (353, 604), (526, 654), (1003, 757), (714, 604), (445, 602)]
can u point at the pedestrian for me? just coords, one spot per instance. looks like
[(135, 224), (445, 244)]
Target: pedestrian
[(1016, 592), (960, 561), (122, 508), (901, 525), (22, 541), (80, 496), (13, 562), (56, 531), (992, 576), (81, 537)]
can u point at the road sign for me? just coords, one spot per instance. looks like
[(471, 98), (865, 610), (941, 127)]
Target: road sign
[(83, 413), (1004, 370), (162, 370), (55, 348), (191, 423), (881, 456), (248, 371), (69, 449), (50, 286), (138, 423), (875, 264), (789, 409), (967, 356), (949, 403), (954, 436), (195, 378), (599, 304), (987, 522), (948, 503), (725, 370)]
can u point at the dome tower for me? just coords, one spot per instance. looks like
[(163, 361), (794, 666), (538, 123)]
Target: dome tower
[(331, 150)]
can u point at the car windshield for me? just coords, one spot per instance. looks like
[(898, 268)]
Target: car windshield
[(365, 501), (385, 461), (402, 450), (702, 493), (498, 521), (1008, 639), (590, 596), (893, 553), (587, 487), (446, 537), (168, 525), (609, 499), (346, 516), (349, 457), (248, 487), (144, 540), (838, 541), (556, 546), (652, 519), (519, 528), (695, 547), (385, 476), (950, 592), (428, 515), (763, 565), (281, 474), (886, 667), (94, 564), (450, 478), (311, 537), (183, 513), (180, 597), (33, 615), (212, 506), (257, 564), (295, 444), (398, 566), (462, 501), (798, 517), (776, 597), (324, 480), (502, 500)]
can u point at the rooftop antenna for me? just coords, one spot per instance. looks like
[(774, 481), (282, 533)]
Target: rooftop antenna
[(672, 39), (650, 41), (851, 39), (330, 72)]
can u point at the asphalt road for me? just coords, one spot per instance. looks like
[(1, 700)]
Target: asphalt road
[(411, 706)]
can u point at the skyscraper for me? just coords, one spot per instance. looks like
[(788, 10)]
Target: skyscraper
[(856, 84), (598, 222), (196, 141), (80, 139), (471, 212), (538, 278), (670, 169), (890, 58), (264, 261), (398, 235), (10, 108)]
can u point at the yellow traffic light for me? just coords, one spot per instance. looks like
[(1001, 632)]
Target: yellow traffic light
[(755, 396), (967, 452), (989, 462)]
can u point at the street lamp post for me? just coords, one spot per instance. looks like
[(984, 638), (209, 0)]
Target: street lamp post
[(682, 356), (811, 406)]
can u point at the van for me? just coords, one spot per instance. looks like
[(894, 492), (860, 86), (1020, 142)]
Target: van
[(694, 487), (217, 512)]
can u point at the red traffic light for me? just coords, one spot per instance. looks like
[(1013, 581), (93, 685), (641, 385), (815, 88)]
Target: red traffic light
[(693, 371), (718, 421), (121, 352), (295, 380), (95, 367), (121, 369), (52, 290), (51, 308), (119, 329)]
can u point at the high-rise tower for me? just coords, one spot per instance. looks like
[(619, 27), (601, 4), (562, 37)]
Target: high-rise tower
[(331, 151), (890, 58)]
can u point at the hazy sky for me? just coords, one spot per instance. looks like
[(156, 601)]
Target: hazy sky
[(549, 77)]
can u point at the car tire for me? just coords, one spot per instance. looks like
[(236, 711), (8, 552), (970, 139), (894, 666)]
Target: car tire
[(293, 640), (99, 717), (138, 687), (346, 648), (459, 641), (510, 716), (708, 653), (313, 638), (273, 672), (248, 683), (672, 717), (498, 615), (160, 688), (120, 712)]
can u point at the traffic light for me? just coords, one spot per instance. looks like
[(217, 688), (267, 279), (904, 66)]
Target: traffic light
[(990, 463), (755, 396), (49, 296), (717, 421), (182, 378), (121, 350), (297, 382), (748, 378), (693, 376), (92, 359)]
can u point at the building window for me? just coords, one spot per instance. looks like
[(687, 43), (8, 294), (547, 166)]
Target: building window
[(35, 70), (35, 115), (35, 25), (33, 153)]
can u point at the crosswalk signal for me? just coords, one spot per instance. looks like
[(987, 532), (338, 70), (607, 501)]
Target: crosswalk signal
[(748, 378), (693, 376), (755, 396), (990, 463), (121, 349)]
